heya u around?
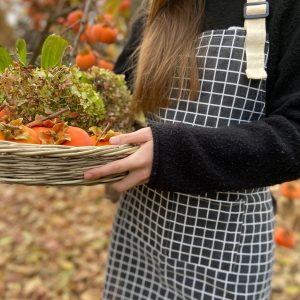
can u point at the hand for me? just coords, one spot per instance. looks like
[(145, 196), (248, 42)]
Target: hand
[(138, 164)]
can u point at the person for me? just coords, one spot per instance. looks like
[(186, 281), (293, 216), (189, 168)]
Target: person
[(195, 220)]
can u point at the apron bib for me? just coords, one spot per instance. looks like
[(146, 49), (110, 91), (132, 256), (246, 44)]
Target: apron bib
[(211, 246)]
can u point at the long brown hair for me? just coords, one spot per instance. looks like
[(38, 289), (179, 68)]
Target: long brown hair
[(167, 51)]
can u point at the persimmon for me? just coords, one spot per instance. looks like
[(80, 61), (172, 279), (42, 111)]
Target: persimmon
[(87, 36), (286, 238), (52, 132), (290, 190), (86, 60), (101, 63), (46, 135), (32, 136), (104, 34), (125, 5), (83, 38), (23, 135), (78, 137), (109, 35), (96, 31), (74, 17)]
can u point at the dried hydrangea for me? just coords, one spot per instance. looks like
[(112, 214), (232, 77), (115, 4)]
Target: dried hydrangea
[(92, 98)]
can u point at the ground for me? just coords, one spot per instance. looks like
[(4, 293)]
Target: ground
[(53, 245)]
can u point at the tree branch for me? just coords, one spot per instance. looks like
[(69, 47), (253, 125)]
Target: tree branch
[(59, 12), (86, 10)]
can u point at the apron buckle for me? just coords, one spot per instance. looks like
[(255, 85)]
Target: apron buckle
[(265, 8)]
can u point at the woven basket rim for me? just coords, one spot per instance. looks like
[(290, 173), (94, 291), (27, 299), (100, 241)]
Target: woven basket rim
[(28, 145), (57, 165), (20, 149)]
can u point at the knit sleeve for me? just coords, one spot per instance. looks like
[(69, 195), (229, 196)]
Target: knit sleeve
[(194, 159)]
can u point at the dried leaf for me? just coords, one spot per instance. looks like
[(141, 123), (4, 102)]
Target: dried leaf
[(92, 294), (32, 285)]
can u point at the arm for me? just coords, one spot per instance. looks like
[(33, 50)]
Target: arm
[(257, 154), (195, 160)]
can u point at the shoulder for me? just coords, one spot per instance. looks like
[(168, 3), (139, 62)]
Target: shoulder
[(284, 12), (284, 55), (283, 24)]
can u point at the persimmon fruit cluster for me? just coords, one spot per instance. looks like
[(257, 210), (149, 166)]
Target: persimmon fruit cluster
[(101, 32), (54, 132)]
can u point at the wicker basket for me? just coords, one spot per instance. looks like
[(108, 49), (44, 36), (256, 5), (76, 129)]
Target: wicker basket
[(55, 165)]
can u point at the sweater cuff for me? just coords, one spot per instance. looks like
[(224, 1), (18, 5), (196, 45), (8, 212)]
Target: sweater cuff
[(156, 128)]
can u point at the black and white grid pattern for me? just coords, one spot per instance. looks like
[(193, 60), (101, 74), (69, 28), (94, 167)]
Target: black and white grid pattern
[(211, 246)]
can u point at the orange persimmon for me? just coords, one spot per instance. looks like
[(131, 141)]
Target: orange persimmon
[(50, 132), (284, 237), (32, 136), (290, 190), (24, 135), (125, 5), (46, 135), (78, 137), (104, 34), (86, 60), (101, 63), (97, 31), (73, 18), (87, 36)]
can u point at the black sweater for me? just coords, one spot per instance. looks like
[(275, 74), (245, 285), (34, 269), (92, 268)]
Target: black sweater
[(194, 159)]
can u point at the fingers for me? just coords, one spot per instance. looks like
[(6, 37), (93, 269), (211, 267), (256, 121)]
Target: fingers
[(138, 165), (133, 161), (137, 137), (120, 166), (134, 178)]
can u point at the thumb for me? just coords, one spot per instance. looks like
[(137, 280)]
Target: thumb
[(140, 136)]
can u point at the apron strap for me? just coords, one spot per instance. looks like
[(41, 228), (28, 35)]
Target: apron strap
[(255, 14)]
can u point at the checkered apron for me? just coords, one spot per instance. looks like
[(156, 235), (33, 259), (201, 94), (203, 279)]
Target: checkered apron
[(177, 246)]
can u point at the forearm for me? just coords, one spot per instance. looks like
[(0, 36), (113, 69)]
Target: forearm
[(194, 159)]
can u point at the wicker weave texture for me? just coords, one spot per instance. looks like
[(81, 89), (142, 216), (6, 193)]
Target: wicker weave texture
[(55, 165)]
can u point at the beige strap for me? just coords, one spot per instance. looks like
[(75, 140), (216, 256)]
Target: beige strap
[(255, 25)]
